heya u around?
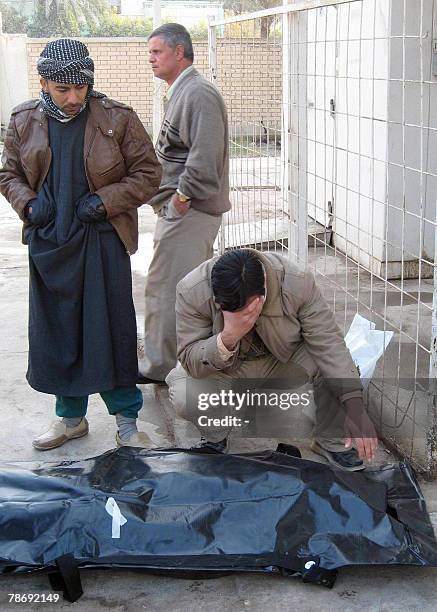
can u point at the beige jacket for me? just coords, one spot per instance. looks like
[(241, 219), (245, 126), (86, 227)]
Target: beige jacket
[(294, 312)]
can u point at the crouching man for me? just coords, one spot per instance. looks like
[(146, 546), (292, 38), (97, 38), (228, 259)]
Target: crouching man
[(252, 315)]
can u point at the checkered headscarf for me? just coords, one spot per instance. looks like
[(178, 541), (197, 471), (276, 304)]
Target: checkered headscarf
[(66, 61)]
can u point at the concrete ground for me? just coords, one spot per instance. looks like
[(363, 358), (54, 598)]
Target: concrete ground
[(26, 412)]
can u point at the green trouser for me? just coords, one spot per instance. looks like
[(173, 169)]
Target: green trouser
[(124, 400)]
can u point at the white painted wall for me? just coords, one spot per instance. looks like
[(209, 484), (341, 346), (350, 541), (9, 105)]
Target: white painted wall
[(340, 162), (361, 131), (412, 147), (378, 152), (187, 13), (14, 86)]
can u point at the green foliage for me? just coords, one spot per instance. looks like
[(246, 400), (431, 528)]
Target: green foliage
[(247, 6), (38, 24), (73, 18), (60, 20), (56, 18), (13, 22), (111, 24), (65, 17), (199, 31), (267, 24)]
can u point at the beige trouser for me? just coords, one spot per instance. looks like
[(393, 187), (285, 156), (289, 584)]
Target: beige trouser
[(299, 371), (180, 245)]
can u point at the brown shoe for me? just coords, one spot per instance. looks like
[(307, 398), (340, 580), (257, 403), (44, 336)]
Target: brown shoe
[(58, 433), (138, 440)]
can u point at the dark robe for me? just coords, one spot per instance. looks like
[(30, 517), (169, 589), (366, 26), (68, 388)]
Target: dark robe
[(82, 326)]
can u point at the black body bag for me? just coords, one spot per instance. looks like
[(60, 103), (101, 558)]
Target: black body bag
[(195, 513)]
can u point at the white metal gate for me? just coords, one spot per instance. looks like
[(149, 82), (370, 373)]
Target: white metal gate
[(334, 161)]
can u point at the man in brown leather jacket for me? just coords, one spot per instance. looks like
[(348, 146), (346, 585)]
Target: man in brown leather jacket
[(76, 166)]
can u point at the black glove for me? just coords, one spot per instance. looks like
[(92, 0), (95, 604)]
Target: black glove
[(90, 209), (43, 209)]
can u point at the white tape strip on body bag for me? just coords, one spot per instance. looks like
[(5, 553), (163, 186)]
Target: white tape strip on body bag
[(117, 518)]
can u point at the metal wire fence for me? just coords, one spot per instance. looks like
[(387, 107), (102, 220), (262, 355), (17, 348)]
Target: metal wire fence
[(334, 162)]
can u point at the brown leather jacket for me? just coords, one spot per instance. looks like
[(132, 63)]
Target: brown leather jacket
[(120, 161)]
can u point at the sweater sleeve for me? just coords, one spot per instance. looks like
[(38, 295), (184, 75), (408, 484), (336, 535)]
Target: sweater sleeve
[(204, 133)]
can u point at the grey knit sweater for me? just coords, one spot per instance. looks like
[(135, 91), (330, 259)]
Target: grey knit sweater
[(193, 146)]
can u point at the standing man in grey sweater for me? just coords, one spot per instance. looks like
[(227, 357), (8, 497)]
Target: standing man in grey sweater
[(193, 149)]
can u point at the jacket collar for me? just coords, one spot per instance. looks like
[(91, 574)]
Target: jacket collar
[(174, 86), (272, 306), (99, 116), (97, 113), (37, 112)]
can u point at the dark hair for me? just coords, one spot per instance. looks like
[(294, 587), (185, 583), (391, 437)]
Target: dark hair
[(237, 276), (175, 34)]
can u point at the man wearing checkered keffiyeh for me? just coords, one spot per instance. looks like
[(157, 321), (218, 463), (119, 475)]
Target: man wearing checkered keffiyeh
[(68, 63), (76, 167)]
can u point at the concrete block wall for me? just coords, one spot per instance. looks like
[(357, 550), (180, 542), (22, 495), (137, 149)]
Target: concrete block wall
[(122, 71), (244, 73), (250, 78)]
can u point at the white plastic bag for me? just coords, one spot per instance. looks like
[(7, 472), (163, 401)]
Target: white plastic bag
[(366, 345)]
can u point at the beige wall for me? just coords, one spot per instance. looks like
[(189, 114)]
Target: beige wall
[(244, 76), (121, 71), (250, 78)]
